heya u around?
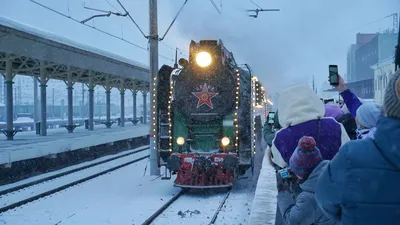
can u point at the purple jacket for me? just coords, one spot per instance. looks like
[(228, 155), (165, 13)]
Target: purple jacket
[(351, 101), (301, 113)]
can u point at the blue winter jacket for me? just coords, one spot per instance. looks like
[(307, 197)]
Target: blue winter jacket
[(361, 185)]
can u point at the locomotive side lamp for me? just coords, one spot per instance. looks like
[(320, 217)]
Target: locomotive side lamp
[(203, 59)]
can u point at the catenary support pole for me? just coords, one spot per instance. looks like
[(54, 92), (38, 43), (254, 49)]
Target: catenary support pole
[(153, 41)]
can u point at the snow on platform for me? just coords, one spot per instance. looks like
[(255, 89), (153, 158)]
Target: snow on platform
[(264, 204), (28, 145)]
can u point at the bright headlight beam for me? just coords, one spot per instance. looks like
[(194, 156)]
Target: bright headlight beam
[(203, 59), (225, 141), (180, 141)]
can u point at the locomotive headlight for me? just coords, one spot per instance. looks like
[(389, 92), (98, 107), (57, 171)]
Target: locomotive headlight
[(225, 141), (180, 141), (203, 59)]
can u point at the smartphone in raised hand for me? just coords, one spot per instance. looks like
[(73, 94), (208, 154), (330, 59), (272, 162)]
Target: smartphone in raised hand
[(333, 75)]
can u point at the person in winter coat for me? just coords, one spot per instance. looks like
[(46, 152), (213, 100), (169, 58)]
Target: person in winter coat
[(367, 116), (349, 124), (301, 114), (269, 129), (307, 164), (361, 183), (333, 110)]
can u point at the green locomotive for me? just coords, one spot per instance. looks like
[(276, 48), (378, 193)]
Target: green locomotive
[(210, 113)]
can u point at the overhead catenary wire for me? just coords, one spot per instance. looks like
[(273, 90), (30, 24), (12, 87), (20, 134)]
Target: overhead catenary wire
[(130, 17), (215, 6), (95, 28), (138, 27), (173, 21), (255, 4)]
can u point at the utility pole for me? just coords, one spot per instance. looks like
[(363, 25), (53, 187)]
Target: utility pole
[(153, 42)]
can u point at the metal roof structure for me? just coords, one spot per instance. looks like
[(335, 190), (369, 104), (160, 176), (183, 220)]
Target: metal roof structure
[(30, 49)]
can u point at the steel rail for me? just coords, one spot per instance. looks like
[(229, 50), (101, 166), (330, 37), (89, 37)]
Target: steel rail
[(25, 185)]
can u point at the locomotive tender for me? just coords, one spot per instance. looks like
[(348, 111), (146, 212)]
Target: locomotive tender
[(210, 114)]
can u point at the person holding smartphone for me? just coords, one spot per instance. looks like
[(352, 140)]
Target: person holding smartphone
[(351, 101), (365, 115)]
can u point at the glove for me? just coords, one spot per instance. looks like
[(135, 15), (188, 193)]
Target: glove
[(281, 184)]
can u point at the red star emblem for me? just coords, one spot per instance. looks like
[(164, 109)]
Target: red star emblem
[(204, 97)]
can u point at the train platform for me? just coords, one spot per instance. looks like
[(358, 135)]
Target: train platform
[(28, 145), (264, 203)]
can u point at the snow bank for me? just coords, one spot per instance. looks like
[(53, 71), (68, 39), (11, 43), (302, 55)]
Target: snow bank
[(61, 143), (264, 203)]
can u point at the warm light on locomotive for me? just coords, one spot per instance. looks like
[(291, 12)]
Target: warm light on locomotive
[(180, 141), (225, 141), (203, 59)]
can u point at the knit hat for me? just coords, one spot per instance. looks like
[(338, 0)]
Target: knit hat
[(305, 158), (333, 110), (368, 114), (391, 103)]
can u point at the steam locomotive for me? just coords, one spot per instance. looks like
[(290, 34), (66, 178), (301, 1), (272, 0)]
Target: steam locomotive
[(210, 113)]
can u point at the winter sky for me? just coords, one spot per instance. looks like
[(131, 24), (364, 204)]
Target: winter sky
[(283, 48)]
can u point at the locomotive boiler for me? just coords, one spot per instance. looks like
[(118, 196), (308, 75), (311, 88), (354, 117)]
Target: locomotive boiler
[(209, 117)]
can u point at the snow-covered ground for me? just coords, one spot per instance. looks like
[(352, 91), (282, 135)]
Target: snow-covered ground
[(37, 189), (236, 210), (49, 174), (199, 207), (129, 196), (192, 208), (124, 196)]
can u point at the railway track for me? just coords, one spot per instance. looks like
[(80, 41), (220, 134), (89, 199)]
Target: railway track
[(31, 191), (162, 209)]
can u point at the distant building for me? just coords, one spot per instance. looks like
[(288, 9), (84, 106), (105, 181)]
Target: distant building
[(382, 72), (351, 63), (379, 48), (361, 39)]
